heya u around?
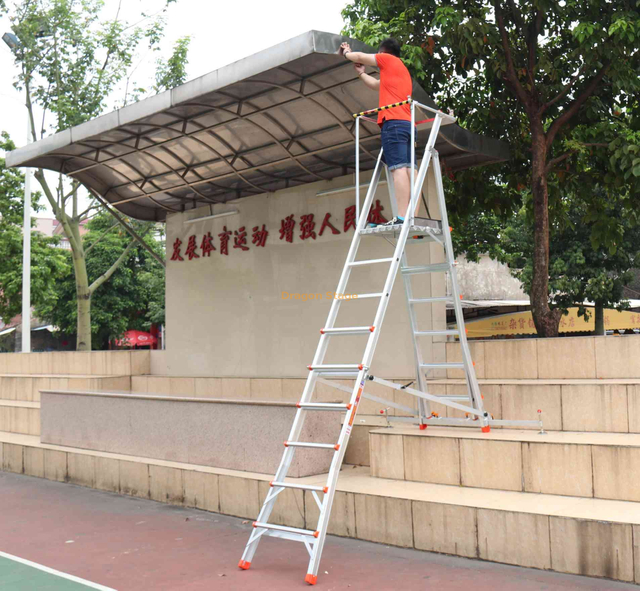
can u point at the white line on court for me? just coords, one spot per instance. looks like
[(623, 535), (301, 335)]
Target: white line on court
[(52, 571)]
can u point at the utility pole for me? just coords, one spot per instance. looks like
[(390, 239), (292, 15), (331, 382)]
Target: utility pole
[(13, 43)]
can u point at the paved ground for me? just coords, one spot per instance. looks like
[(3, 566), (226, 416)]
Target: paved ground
[(132, 544)]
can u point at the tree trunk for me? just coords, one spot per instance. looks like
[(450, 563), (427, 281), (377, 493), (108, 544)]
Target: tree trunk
[(547, 321), (83, 294), (599, 330)]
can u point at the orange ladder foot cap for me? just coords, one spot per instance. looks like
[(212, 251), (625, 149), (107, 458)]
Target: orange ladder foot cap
[(311, 579), (244, 565), (486, 429), (423, 427)]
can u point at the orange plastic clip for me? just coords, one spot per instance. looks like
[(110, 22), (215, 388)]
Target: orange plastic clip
[(244, 565), (311, 579)]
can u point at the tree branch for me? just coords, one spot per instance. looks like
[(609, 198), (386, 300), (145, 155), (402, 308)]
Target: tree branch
[(564, 91), (532, 43), (511, 72), (517, 17), (105, 277), (573, 108), (86, 250), (129, 229), (559, 159)]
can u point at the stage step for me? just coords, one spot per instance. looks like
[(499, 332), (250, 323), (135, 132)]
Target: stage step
[(27, 387), (20, 417), (592, 537), (589, 465)]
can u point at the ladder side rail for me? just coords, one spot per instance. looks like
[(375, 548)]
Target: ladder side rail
[(346, 270), (423, 408), (358, 168), (334, 471), (298, 422), (402, 240), (457, 305)]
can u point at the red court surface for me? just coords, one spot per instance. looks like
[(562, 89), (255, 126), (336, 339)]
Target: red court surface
[(134, 544)]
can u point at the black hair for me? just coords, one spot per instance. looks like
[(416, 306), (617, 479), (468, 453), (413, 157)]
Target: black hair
[(390, 45)]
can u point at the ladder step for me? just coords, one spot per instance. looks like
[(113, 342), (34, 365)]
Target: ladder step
[(364, 296), (454, 397), (322, 489), (442, 365), (431, 300), (336, 367), (323, 406), (436, 268), (370, 262), (309, 444), (348, 330), (432, 333), (291, 530)]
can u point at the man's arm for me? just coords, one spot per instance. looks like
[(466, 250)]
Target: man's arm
[(369, 81), (358, 57)]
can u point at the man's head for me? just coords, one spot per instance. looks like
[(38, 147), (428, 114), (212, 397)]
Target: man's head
[(390, 45)]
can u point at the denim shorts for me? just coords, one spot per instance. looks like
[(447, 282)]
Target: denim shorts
[(396, 143)]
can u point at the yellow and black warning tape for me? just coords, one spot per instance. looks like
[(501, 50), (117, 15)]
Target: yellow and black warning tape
[(372, 111)]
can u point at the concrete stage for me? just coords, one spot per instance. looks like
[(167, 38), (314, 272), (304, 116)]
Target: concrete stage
[(132, 544)]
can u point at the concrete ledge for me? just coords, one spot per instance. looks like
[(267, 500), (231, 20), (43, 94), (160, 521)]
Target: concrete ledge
[(560, 358), (234, 434), (607, 406), (20, 417), (580, 536), (26, 387), (119, 363), (591, 465)]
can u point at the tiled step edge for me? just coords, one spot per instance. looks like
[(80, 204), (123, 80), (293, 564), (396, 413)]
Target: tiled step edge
[(579, 536)]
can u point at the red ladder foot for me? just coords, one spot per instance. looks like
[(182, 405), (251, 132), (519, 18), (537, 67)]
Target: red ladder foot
[(311, 579), (486, 429), (423, 427), (244, 565)]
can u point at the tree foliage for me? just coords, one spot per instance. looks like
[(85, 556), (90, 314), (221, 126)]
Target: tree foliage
[(48, 264), (134, 297), (552, 79), (72, 60)]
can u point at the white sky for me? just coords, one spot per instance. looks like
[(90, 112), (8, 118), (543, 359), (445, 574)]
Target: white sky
[(222, 31)]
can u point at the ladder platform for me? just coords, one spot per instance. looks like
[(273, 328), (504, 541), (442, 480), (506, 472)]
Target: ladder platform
[(435, 268), (427, 231)]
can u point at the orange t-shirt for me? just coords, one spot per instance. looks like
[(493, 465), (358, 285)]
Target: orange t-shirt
[(395, 87)]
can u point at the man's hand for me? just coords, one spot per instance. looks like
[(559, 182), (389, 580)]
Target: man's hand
[(344, 48), (360, 68)]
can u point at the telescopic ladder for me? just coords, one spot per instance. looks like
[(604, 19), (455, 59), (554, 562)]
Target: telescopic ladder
[(318, 370)]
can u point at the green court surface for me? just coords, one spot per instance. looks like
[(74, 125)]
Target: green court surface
[(17, 574)]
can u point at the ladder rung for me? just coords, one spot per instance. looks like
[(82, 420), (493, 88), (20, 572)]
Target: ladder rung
[(442, 365), (437, 268), (370, 262), (323, 406), (321, 489), (364, 296), (309, 444), (291, 530), (336, 367), (454, 397), (348, 330), (431, 300), (433, 333)]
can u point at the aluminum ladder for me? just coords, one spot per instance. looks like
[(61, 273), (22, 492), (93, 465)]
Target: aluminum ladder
[(314, 539)]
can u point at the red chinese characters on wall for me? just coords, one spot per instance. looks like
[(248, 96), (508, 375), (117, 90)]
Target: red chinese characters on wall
[(176, 250), (224, 240), (259, 233)]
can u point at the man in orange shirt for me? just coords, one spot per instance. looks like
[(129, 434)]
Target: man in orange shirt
[(394, 86)]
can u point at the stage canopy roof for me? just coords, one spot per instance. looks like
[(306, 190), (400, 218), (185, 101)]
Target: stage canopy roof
[(277, 119)]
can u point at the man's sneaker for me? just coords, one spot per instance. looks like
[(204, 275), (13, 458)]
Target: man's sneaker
[(394, 221)]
